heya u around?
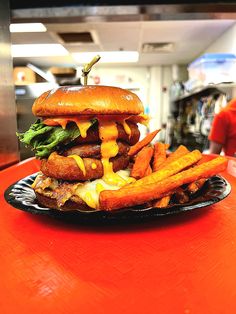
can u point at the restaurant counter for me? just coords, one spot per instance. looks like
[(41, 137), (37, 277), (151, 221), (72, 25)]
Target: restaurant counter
[(180, 263)]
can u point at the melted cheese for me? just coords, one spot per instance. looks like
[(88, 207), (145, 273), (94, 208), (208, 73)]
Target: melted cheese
[(56, 121), (83, 126), (83, 123), (99, 187), (141, 118), (90, 190), (63, 123), (108, 134), (90, 200), (109, 176), (80, 163), (126, 128), (93, 166)]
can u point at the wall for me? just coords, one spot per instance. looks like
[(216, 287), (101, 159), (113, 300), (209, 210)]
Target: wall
[(134, 78), (226, 43), (8, 140), (155, 97)]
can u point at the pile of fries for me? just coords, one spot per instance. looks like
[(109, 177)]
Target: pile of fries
[(161, 178)]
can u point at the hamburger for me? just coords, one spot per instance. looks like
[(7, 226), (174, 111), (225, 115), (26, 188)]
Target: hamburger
[(83, 136)]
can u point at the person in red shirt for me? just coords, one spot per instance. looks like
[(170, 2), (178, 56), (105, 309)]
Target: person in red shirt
[(223, 131)]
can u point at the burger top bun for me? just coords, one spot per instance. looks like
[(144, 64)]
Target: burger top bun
[(89, 99)]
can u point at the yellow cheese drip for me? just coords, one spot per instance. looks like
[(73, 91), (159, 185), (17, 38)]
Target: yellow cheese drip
[(108, 134), (144, 119), (110, 177), (83, 126), (80, 163), (99, 188), (126, 128), (93, 165), (90, 200)]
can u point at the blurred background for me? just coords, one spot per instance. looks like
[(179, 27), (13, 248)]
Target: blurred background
[(178, 57)]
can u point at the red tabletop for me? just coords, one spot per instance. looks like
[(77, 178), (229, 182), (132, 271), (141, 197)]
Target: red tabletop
[(184, 263)]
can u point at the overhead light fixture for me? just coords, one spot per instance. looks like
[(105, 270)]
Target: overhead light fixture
[(38, 50), (107, 56), (27, 28)]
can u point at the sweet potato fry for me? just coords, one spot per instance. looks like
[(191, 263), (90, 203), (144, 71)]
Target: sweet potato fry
[(142, 162), (179, 152), (159, 156), (148, 171), (171, 169), (181, 196), (163, 202), (135, 195), (195, 186), (144, 142)]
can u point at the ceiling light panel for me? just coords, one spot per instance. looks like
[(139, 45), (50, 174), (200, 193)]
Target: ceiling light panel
[(27, 28), (38, 50)]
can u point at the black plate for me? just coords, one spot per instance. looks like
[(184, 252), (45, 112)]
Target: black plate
[(20, 195)]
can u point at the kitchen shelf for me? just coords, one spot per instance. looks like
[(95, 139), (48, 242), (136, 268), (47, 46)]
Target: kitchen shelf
[(214, 89)]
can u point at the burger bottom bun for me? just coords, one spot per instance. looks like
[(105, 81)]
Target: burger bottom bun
[(66, 168), (69, 205)]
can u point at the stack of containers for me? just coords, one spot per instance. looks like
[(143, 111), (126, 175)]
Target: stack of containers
[(212, 68)]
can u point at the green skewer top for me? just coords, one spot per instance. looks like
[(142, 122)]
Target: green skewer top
[(87, 68)]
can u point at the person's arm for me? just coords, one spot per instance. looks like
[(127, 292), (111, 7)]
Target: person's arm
[(218, 133), (215, 148)]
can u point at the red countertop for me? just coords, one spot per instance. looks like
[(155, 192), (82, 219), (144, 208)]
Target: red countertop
[(184, 263)]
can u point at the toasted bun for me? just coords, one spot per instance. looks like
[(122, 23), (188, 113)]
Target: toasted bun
[(98, 100)]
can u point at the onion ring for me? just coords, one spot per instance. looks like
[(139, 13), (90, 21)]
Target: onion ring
[(66, 168)]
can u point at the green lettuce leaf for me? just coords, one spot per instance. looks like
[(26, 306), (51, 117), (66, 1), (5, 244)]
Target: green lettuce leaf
[(44, 139)]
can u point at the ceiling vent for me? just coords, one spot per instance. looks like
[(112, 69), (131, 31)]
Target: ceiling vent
[(157, 47), (82, 37)]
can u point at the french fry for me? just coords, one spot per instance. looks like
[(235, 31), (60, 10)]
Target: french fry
[(195, 186), (142, 162), (135, 195), (144, 142), (159, 156), (163, 202), (171, 169)]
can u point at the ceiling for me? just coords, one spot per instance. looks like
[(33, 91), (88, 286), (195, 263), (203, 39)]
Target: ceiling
[(190, 39), (19, 4)]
